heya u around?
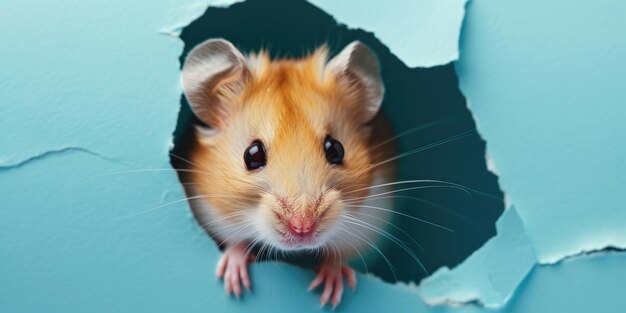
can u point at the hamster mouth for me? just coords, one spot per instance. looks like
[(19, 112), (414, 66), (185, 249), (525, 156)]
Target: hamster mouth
[(298, 242), (298, 231)]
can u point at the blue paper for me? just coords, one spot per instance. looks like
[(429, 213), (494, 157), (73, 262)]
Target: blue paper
[(90, 94)]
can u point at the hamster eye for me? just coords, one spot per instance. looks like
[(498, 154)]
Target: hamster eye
[(254, 157), (333, 149)]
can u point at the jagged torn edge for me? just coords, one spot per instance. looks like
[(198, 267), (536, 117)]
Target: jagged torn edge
[(181, 16), (184, 15), (419, 16), (471, 282), (485, 278), (491, 276)]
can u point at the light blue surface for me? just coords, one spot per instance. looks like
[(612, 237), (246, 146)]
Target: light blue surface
[(422, 33), (585, 284), (491, 274), (90, 89), (545, 80)]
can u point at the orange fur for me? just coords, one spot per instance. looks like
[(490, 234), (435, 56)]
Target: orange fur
[(290, 105)]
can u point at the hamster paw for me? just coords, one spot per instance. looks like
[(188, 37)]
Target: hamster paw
[(233, 268), (331, 274)]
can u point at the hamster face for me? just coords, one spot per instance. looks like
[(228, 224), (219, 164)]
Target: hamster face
[(289, 151)]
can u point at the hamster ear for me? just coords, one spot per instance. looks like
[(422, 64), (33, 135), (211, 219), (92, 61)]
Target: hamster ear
[(213, 75), (358, 66)]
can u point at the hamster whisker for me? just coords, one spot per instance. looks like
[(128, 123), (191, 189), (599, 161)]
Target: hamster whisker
[(274, 257), (274, 253), (280, 254), (410, 131), (268, 253), (181, 200), (158, 207), (224, 217), (337, 252), (461, 135), (253, 185), (407, 189), (461, 216), (403, 214), (148, 170), (371, 244), (184, 160), (194, 184), (414, 181), (417, 244), (346, 189), (389, 236), (234, 178), (422, 148), (315, 252), (142, 170), (250, 246), (182, 170), (384, 233), (222, 196), (357, 251), (236, 232), (262, 251), (320, 252)]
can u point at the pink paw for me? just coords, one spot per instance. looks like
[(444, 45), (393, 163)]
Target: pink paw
[(331, 274), (233, 268)]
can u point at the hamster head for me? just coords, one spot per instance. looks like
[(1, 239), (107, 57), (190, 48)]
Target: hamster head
[(286, 154)]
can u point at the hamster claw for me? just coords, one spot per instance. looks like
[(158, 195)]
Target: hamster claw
[(233, 269), (331, 274)]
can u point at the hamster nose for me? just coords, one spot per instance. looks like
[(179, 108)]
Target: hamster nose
[(301, 226)]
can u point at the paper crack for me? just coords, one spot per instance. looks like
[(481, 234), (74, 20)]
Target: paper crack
[(9, 164)]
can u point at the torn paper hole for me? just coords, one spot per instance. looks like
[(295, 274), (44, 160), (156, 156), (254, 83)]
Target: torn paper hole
[(445, 144)]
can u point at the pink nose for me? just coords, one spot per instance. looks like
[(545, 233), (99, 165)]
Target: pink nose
[(301, 226)]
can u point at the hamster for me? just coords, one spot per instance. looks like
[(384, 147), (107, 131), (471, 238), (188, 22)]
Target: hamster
[(291, 159)]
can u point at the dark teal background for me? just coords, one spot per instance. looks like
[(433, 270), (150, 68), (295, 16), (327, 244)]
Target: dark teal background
[(414, 97)]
